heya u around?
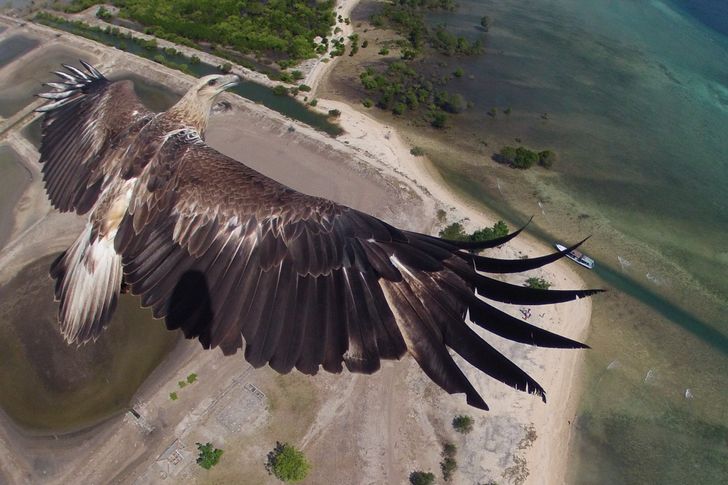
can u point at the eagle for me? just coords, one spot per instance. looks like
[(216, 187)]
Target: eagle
[(239, 261)]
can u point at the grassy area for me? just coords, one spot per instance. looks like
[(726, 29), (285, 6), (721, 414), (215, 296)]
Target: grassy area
[(174, 59), (277, 30)]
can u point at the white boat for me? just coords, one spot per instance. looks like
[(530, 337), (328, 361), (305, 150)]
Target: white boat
[(578, 257)]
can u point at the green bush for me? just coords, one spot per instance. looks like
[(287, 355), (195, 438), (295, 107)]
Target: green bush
[(421, 478), (547, 158), (538, 283), (462, 424), (417, 151), (173, 396), (209, 456), (305, 88), (191, 378), (456, 232), (368, 103), (459, 72), (287, 463), (226, 67), (334, 113), (383, 51), (280, 90)]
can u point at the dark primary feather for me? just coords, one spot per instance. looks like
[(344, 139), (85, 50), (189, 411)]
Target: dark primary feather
[(239, 261)]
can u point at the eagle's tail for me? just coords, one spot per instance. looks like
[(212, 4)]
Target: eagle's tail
[(88, 280)]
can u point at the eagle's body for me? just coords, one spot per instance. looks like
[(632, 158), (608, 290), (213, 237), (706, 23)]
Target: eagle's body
[(238, 260)]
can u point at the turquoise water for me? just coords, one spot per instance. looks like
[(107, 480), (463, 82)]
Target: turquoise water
[(633, 96)]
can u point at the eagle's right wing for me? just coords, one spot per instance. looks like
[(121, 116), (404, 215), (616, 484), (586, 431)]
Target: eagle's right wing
[(86, 117)]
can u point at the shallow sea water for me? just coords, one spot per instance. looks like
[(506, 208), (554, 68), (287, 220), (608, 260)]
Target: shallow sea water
[(633, 98)]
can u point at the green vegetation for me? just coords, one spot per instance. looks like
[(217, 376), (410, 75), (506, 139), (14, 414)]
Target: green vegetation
[(448, 465), (191, 378), (485, 22), (383, 51), (103, 14), (280, 90), (182, 384), (277, 29), (462, 424), (456, 232), (173, 396), (408, 18), (421, 478), (546, 158), (458, 72), (304, 87), (417, 151), (538, 283), (287, 463), (399, 88), (334, 113), (209, 456), (524, 158)]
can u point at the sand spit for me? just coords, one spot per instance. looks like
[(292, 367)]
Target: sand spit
[(355, 429)]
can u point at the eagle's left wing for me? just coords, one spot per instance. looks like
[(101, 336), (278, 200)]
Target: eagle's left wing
[(86, 116)]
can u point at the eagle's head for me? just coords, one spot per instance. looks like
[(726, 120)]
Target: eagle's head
[(193, 110), (208, 87)]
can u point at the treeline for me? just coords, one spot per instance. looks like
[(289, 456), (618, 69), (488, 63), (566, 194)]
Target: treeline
[(399, 89), (279, 29), (456, 232), (524, 158), (408, 18)]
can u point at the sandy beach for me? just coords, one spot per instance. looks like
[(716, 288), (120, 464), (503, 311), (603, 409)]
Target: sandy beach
[(355, 429)]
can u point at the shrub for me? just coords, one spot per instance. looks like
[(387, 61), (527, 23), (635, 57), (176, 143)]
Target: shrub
[(538, 283), (304, 87), (458, 72), (280, 90), (226, 67), (421, 478), (313, 102), (173, 396), (448, 465), (462, 424), (297, 75), (195, 60), (182, 384), (368, 103), (365, 44), (439, 120), (383, 51), (417, 151), (103, 14), (546, 158), (208, 456), (287, 463), (334, 113), (191, 378)]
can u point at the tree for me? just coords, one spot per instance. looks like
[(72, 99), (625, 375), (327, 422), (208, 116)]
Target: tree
[(448, 465), (287, 463), (485, 22), (462, 424), (421, 478), (209, 456), (538, 283), (546, 158)]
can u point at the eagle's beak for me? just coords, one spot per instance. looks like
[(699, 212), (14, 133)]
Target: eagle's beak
[(228, 81)]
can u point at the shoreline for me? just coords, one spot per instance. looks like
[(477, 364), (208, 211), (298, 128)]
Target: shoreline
[(374, 149)]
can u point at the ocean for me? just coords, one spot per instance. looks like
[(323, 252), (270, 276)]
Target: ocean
[(633, 96)]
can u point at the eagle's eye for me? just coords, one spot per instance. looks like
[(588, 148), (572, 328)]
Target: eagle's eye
[(212, 82)]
